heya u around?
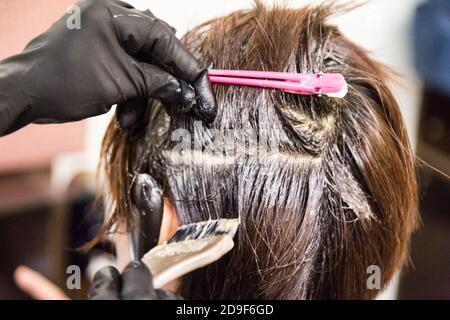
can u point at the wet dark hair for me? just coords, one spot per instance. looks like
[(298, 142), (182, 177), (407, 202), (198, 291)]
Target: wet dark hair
[(333, 193)]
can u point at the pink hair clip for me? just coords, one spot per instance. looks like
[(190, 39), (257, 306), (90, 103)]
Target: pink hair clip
[(330, 84)]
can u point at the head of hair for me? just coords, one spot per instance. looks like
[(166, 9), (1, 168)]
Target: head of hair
[(327, 190)]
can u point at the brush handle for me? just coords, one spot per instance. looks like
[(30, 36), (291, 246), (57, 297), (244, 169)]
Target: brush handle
[(173, 260)]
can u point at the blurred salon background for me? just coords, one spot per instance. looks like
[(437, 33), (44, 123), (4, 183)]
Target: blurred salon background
[(47, 173)]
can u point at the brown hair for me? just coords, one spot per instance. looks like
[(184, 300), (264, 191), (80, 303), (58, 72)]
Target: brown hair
[(337, 193)]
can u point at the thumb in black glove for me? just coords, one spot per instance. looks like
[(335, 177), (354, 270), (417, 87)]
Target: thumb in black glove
[(135, 283)]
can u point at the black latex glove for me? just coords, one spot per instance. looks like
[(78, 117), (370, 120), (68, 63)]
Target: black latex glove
[(120, 55), (135, 283)]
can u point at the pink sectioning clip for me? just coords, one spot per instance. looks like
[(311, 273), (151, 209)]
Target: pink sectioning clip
[(330, 84)]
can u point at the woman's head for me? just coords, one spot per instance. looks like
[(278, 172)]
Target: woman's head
[(324, 187)]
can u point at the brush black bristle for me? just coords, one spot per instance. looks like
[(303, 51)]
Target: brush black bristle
[(206, 229)]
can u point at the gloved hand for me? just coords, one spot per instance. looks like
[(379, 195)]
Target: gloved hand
[(119, 55), (135, 283)]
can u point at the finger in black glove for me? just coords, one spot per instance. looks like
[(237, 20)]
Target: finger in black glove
[(135, 283)]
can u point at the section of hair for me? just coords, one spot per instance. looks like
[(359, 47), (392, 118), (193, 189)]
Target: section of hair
[(333, 194)]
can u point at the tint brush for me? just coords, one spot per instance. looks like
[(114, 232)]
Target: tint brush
[(193, 246)]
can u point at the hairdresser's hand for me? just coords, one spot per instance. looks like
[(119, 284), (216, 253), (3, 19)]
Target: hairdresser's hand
[(37, 285), (109, 54), (135, 283)]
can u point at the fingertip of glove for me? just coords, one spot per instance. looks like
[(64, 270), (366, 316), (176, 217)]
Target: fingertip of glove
[(188, 96), (108, 272), (206, 107), (137, 265)]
